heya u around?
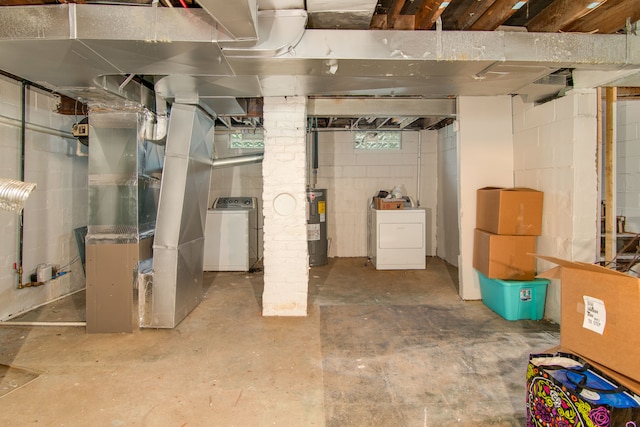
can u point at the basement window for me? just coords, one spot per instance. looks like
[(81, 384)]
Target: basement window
[(378, 140), (246, 140)]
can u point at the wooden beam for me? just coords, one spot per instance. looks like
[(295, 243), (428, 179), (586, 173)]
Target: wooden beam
[(378, 22), (559, 14), (394, 12), (71, 107), (629, 93), (495, 16), (405, 22), (610, 246), (473, 13), (428, 13), (599, 147), (609, 18)]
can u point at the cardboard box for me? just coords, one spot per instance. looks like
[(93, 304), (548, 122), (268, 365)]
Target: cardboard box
[(504, 257), (600, 314), (388, 204), (559, 396), (515, 211)]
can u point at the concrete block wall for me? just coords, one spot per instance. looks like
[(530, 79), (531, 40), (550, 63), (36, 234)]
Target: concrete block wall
[(628, 163), (352, 177), (286, 260), (448, 235), (555, 152), (57, 206)]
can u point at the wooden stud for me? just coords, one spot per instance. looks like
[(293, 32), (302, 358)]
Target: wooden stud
[(610, 246)]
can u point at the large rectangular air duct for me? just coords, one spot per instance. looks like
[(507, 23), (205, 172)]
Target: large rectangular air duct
[(174, 287)]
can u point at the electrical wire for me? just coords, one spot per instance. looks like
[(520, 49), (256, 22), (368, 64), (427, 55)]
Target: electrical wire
[(62, 267)]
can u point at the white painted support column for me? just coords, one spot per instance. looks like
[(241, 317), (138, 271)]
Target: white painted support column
[(485, 158), (286, 259)]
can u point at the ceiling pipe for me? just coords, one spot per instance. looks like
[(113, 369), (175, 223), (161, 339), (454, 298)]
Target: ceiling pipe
[(237, 161), (157, 125)]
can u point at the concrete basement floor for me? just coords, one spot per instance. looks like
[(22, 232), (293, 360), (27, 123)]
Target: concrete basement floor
[(378, 348)]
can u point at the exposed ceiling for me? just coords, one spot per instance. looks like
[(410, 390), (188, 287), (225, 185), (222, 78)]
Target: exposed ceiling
[(353, 58)]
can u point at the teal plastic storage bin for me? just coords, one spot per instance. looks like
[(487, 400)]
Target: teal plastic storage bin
[(514, 299)]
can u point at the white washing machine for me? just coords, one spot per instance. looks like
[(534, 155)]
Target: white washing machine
[(397, 238), (231, 234)]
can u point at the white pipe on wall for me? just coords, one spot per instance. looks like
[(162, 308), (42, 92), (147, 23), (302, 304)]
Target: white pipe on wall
[(419, 168), (36, 128), (17, 323)]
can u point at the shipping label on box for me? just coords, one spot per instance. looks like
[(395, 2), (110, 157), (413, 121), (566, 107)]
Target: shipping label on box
[(514, 211), (504, 257), (600, 314)]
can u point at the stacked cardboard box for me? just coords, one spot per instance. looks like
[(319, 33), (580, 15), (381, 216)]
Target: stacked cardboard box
[(507, 223)]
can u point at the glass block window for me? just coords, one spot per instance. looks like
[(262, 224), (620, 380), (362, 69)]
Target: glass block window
[(378, 140), (247, 140)]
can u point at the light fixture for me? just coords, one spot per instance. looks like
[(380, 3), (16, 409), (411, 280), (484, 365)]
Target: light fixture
[(518, 5)]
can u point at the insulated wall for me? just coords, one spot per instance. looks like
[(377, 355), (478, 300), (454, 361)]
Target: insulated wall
[(53, 210)]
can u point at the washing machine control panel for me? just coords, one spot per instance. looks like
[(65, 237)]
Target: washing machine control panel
[(235, 203)]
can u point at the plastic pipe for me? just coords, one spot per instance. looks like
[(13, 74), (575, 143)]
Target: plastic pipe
[(11, 323)]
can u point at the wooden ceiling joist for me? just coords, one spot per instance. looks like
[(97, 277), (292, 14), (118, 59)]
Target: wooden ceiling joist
[(473, 13), (496, 15), (394, 12), (559, 14), (608, 18), (428, 14), (629, 93)]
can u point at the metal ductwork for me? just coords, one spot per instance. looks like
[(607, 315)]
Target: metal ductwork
[(87, 41), (175, 286), (122, 216), (14, 193), (341, 14), (238, 17)]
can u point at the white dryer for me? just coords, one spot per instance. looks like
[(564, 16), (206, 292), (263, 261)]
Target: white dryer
[(231, 234), (397, 238)]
